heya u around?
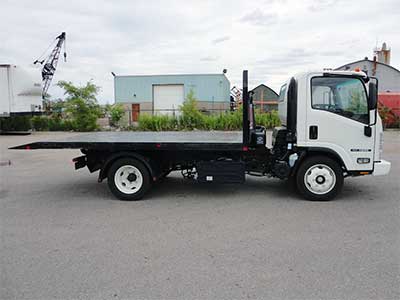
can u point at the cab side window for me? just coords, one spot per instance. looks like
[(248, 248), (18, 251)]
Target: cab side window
[(282, 93), (345, 96)]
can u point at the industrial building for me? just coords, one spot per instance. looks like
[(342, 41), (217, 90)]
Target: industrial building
[(388, 77), (379, 66), (164, 94), (265, 98)]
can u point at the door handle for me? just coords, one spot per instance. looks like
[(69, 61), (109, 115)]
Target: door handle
[(368, 131), (313, 133)]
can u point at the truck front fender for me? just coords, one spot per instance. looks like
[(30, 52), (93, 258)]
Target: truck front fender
[(326, 151)]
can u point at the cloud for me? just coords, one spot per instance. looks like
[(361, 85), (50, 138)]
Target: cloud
[(258, 18), (164, 37), (209, 58), (319, 5), (221, 39), (331, 53), (299, 53), (295, 56)]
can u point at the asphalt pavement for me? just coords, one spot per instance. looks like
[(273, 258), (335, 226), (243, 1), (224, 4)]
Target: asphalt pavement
[(64, 236)]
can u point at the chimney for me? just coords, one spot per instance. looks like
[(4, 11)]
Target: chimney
[(382, 54)]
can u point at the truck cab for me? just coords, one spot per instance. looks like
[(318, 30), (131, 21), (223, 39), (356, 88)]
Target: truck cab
[(331, 125)]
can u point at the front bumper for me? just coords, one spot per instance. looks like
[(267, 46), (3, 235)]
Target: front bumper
[(381, 168)]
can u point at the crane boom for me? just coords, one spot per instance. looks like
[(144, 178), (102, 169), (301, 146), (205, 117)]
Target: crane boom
[(50, 63)]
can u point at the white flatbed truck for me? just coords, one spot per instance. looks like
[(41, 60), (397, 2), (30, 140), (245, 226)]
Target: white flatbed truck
[(330, 130)]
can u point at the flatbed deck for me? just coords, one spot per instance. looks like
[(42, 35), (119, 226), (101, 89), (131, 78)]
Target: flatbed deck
[(167, 140)]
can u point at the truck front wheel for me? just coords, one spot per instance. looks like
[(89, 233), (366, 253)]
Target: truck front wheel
[(319, 178), (128, 179)]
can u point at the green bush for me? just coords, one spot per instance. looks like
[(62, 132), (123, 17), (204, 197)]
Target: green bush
[(191, 118), (209, 122), (228, 121), (59, 124), (56, 124), (158, 123), (15, 123), (224, 121), (51, 123), (115, 113), (40, 123), (146, 122), (268, 120)]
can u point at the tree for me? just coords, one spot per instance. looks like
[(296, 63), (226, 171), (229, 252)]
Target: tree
[(191, 116), (57, 107), (81, 105)]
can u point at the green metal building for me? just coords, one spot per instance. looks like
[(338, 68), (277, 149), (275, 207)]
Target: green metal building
[(163, 94)]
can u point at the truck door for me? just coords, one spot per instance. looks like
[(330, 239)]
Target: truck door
[(337, 115)]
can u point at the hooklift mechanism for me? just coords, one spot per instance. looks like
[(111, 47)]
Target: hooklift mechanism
[(50, 63)]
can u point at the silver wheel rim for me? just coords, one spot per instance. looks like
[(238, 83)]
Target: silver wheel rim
[(128, 179), (320, 179)]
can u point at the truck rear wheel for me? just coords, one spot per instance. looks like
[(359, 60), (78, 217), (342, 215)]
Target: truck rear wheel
[(319, 178), (128, 179)]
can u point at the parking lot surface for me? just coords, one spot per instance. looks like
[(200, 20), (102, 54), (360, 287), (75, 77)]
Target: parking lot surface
[(63, 235)]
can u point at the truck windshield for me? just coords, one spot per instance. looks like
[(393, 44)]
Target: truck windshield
[(340, 95)]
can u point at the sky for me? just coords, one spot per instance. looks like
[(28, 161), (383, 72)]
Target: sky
[(272, 39)]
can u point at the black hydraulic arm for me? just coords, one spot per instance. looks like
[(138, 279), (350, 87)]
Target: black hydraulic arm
[(245, 100)]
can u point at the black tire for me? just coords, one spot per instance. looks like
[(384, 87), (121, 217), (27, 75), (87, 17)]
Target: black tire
[(144, 173), (315, 166)]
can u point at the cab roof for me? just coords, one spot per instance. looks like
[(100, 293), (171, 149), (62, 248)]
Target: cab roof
[(331, 72)]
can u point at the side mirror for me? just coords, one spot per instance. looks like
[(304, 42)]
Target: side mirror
[(373, 96)]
